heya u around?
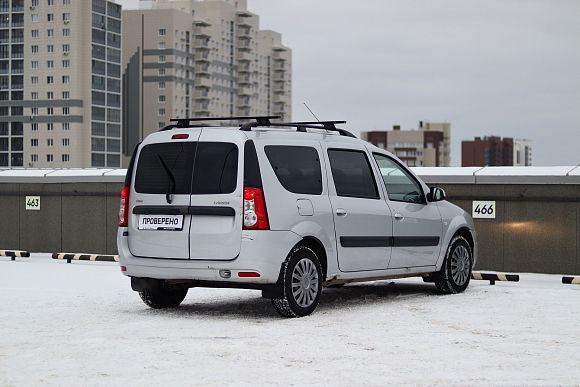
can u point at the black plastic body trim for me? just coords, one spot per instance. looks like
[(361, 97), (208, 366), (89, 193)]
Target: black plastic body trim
[(214, 211), (388, 241), (184, 210)]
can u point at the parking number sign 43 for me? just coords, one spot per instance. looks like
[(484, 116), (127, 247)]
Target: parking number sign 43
[(483, 209)]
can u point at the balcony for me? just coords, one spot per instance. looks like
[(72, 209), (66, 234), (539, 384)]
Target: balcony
[(244, 68), (201, 95), (244, 102), (243, 32), (280, 98), (202, 82), (201, 31), (201, 44), (244, 79), (201, 107), (201, 69), (245, 91), (244, 57), (202, 56)]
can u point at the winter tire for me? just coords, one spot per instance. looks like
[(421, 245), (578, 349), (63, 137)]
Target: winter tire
[(456, 271), (159, 296), (302, 284)]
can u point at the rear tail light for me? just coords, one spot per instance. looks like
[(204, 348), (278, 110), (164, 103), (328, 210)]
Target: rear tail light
[(123, 207), (255, 216)]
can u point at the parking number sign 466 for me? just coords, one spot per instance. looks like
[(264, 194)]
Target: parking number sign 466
[(483, 209)]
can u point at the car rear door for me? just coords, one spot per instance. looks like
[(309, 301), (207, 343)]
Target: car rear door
[(160, 196), (362, 218), (216, 200)]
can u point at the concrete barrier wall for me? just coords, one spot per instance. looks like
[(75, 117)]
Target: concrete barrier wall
[(535, 229)]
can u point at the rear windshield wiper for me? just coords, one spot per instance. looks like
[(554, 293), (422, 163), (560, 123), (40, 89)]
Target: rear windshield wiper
[(170, 182)]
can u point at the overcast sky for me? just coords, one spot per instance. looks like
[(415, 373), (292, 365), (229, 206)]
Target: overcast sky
[(494, 67)]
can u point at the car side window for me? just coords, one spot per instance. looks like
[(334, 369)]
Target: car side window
[(401, 186), (352, 174), (297, 168)]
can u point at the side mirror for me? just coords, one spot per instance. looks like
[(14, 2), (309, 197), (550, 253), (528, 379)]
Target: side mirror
[(436, 194)]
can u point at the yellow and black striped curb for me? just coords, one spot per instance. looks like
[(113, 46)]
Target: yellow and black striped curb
[(85, 257), (571, 280), (492, 277), (14, 253)]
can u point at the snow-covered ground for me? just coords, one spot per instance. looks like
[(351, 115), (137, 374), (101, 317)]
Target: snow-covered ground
[(80, 324)]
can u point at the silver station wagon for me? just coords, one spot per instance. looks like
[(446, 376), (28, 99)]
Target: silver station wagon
[(285, 208)]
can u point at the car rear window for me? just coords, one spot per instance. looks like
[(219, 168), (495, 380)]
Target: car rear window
[(297, 168), (216, 168), (352, 174)]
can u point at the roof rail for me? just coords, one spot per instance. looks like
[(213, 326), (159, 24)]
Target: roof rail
[(302, 126), (185, 122)]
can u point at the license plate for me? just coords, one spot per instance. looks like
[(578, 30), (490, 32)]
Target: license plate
[(161, 222)]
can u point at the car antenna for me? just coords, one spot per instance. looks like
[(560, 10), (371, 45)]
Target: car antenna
[(311, 112)]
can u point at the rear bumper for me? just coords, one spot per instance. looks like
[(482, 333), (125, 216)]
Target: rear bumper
[(261, 252)]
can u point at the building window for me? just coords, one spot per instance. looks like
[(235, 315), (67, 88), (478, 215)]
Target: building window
[(34, 49), (161, 99), (34, 3), (66, 64), (49, 158), (49, 142), (34, 142), (65, 47), (161, 72), (50, 2), (49, 112), (34, 80), (34, 33), (34, 64), (65, 111), (34, 127), (161, 85), (50, 17), (50, 32), (65, 126), (50, 48), (49, 126), (161, 112), (161, 59), (34, 18), (161, 32), (65, 142), (65, 79), (161, 45), (34, 111), (49, 95), (34, 95), (65, 2), (66, 16), (33, 158), (50, 80), (65, 158), (161, 125), (66, 32), (66, 95), (49, 64)]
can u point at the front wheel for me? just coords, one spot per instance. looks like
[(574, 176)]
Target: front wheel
[(159, 295), (456, 271), (302, 284)]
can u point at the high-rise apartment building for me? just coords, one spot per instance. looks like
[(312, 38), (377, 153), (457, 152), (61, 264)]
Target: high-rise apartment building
[(488, 151), (60, 83), (199, 59), (430, 146), (522, 153)]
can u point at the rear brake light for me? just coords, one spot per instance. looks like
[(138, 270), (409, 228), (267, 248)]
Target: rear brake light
[(182, 136), (246, 274), (255, 217), (123, 207)]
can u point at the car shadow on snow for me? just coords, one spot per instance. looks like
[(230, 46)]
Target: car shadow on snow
[(252, 305)]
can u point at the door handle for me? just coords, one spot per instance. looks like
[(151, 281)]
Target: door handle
[(340, 212), (399, 216)]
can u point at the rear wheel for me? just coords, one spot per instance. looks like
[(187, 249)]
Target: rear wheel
[(302, 284), (159, 295), (456, 271)]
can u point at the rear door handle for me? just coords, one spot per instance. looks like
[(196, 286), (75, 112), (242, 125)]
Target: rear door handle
[(340, 212), (399, 216)]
